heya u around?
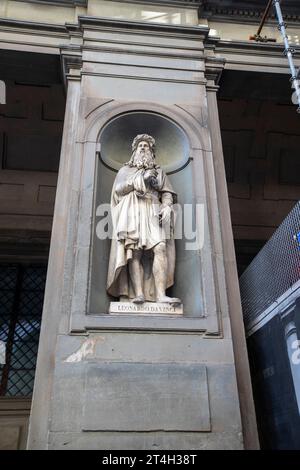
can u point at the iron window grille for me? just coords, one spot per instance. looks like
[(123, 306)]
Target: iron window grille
[(21, 302)]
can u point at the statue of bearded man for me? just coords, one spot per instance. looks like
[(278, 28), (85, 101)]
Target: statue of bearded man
[(142, 257)]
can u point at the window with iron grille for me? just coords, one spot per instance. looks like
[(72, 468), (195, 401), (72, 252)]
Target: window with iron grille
[(21, 302)]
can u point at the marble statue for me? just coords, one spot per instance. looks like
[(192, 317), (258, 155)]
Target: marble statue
[(142, 256)]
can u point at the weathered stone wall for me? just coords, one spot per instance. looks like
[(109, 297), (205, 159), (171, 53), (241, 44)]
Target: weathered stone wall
[(88, 360), (129, 381), (14, 418)]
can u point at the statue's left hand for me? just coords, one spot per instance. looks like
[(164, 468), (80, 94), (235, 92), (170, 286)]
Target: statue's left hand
[(165, 214)]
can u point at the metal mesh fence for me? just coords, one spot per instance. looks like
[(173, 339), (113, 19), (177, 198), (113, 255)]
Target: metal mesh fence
[(274, 270), (21, 302)]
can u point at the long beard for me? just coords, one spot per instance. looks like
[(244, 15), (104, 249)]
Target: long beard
[(143, 159)]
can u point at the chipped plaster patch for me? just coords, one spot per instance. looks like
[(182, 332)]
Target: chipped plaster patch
[(86, 350)]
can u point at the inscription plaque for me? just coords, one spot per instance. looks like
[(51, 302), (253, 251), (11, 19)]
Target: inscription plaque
[(153, 308)]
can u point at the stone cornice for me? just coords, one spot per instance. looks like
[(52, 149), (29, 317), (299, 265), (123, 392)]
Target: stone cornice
[(250, 12), (33, 25), (213, 69), (91, 22), (251, 56), (71, 63), (271, 49), (169, 3), (83, 3), (109, 23), (60, 3)]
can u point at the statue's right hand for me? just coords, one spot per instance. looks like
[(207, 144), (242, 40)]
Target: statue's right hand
[(140, 193), (149, 174)]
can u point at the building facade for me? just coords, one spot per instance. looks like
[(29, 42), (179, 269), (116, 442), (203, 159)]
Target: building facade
[(270, 301), (80, 78)]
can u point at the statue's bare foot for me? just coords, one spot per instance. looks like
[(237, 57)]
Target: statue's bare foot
[(169, 300), (140, 299)]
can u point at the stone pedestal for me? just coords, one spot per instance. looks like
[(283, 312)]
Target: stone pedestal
[(143, 379)]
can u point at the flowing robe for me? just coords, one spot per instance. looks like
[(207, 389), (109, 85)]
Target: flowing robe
[(135, 208)]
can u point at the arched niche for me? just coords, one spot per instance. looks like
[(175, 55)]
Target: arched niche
[(173, 155), (172, 146)]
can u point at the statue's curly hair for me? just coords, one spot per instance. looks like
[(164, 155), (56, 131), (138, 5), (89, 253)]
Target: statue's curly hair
[(147, 138), (139, 138)]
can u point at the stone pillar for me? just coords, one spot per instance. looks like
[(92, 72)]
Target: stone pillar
[(137, 381), (214, 69), (55, 310), (293, 344)]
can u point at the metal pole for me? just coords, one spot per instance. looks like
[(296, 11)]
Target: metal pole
[(257, 36), (288, 51), (264, 17)]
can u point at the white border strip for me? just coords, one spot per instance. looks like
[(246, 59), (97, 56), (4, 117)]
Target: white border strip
[(276, 307)]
